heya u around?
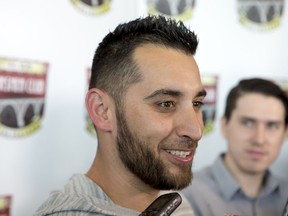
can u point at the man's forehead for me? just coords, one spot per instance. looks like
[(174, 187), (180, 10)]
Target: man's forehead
[(259, 106), (260, 116), (167, 68)]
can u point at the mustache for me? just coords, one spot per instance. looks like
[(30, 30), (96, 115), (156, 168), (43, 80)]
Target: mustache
[(181, 142)]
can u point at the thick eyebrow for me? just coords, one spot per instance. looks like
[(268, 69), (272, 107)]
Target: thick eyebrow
[(246, 118), (202, 93), (173, 93)]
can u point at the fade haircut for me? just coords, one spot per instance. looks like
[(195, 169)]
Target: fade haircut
[(255, 85), (113, 67)]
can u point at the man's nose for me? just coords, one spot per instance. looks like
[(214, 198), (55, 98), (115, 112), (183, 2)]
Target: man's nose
[(259, 134), (190, 124)]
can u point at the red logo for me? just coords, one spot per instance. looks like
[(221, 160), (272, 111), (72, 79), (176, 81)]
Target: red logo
[(22, 94)]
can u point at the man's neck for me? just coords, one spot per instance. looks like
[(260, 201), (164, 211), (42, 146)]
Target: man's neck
[(250, 183), (124, 189)]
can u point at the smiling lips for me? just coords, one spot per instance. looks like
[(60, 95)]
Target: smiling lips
[(182, 156)]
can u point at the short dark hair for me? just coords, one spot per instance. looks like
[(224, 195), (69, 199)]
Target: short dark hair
[(255, 85), (113, 67)]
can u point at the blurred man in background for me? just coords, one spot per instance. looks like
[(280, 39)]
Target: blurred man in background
[(239, 182)]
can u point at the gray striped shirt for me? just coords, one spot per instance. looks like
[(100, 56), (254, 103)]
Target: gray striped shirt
[(82, 197)]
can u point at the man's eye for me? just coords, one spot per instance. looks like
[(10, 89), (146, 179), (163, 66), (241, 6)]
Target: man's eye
[(198, 104), (247, 122), (272, 125), (166, 104)]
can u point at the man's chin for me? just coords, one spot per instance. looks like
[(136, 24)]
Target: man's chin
[(178, 182)]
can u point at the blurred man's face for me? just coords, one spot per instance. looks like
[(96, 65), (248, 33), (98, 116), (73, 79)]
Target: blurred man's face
[(255, 133), (161, 122)]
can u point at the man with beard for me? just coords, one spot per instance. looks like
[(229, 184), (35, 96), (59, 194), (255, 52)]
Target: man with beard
[(145, 99), (254, 124)]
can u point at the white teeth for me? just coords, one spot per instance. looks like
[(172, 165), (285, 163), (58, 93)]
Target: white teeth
[(182, 154)]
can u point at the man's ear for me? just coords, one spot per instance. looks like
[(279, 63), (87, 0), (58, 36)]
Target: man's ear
[(98, 108)]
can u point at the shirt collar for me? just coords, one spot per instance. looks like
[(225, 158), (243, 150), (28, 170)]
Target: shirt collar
[(228, 186), (271, 184), (81, 184)]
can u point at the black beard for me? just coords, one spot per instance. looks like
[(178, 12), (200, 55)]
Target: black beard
[(143, 163)]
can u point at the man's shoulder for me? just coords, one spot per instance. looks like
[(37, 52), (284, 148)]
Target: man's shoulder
[(59, 203), (280, 183), (207, 182), (203, 177), (81, 198)]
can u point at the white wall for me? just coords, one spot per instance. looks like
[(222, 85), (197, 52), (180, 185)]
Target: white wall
[(58, 33)]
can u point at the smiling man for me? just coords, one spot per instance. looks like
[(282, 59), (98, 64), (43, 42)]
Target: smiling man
[(145, 99), (239, 182)]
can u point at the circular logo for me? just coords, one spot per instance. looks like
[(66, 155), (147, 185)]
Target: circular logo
[(260, 15), (93, 7), (22, 96), (178, 9)]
